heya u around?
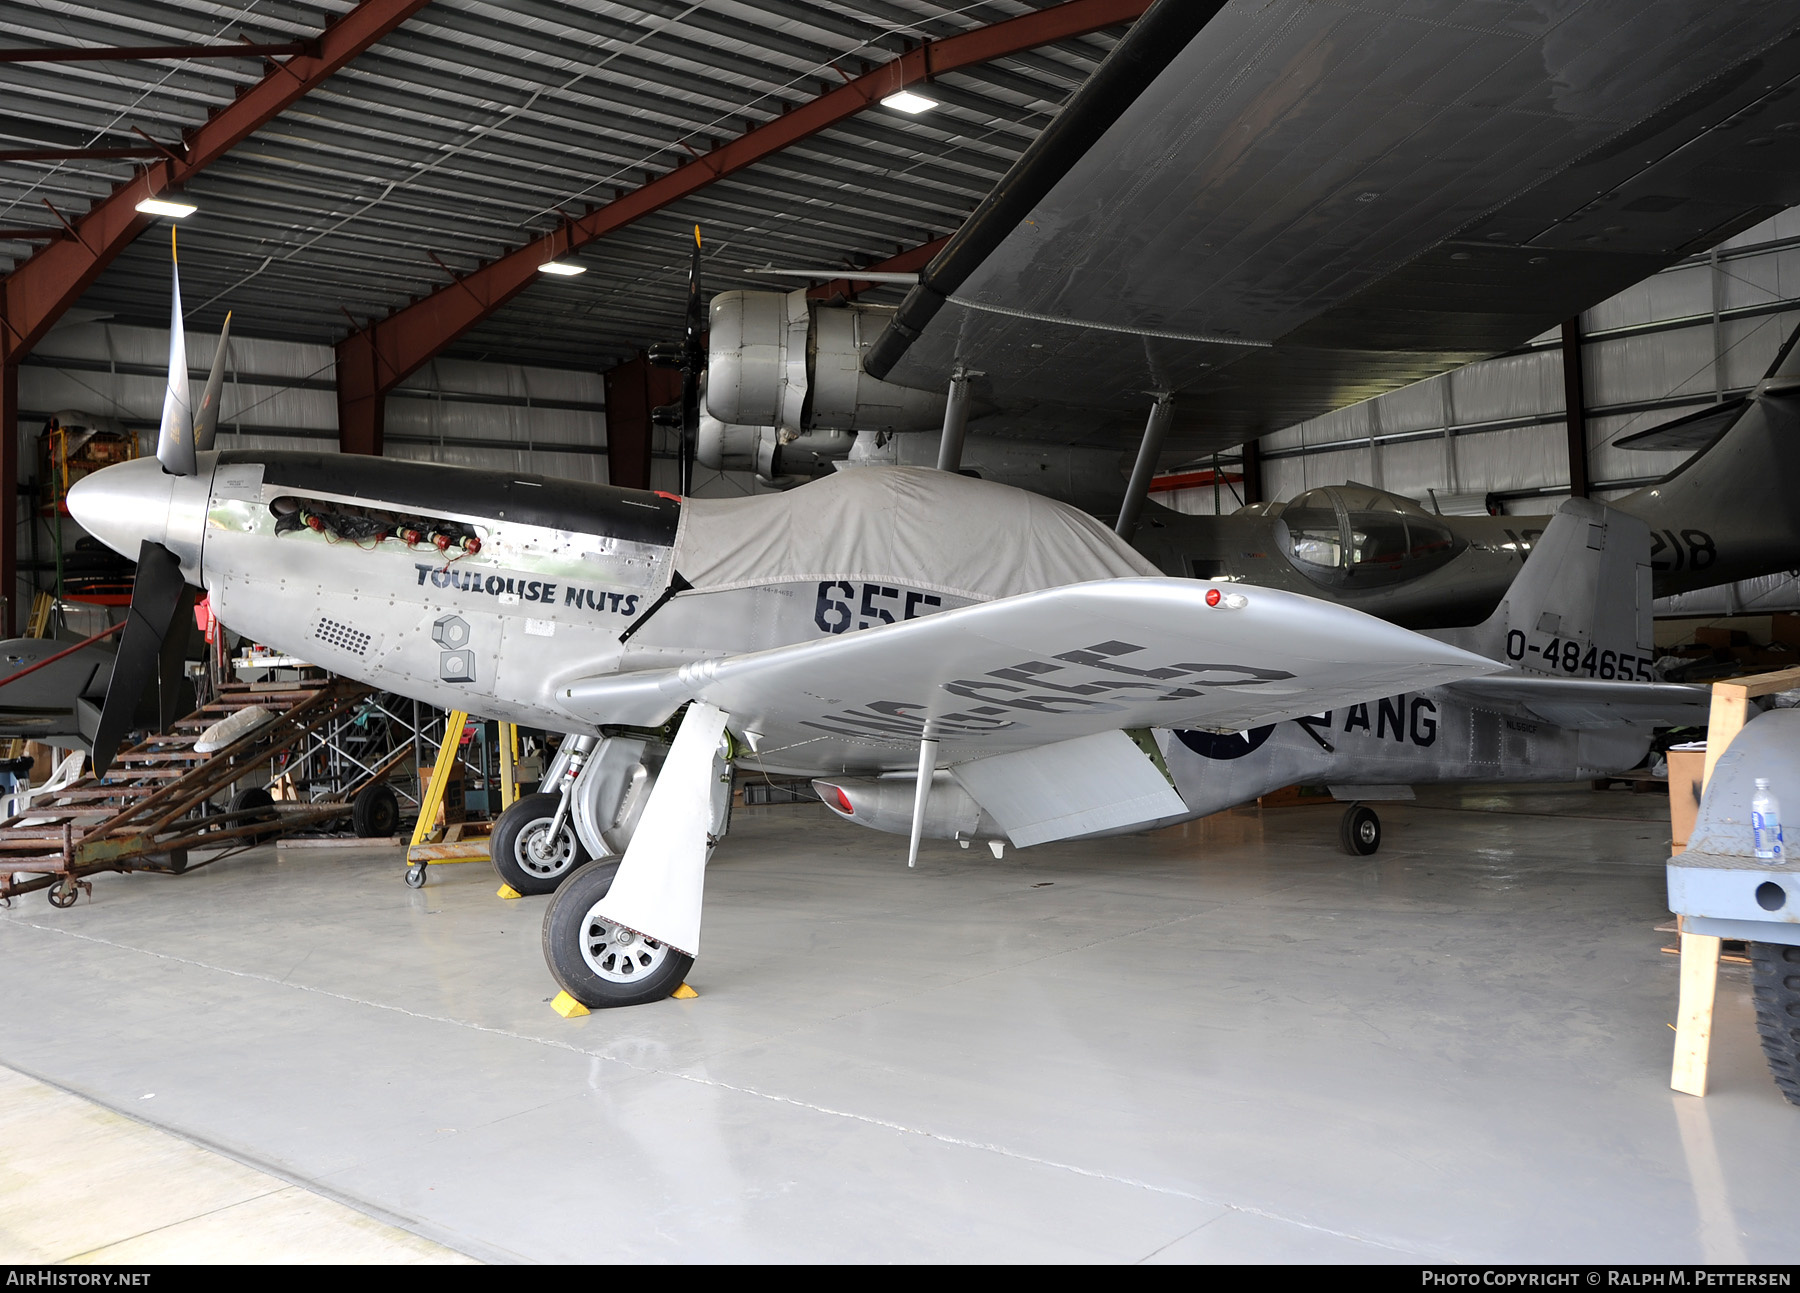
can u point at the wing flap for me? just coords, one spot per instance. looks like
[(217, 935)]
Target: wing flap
[(1091, 784), (1033, 670)]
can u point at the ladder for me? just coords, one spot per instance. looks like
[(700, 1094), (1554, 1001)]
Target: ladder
[(43, 605), (152, 807)]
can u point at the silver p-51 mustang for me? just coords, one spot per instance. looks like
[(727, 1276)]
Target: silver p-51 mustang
[(1251, 214), (948, 656)]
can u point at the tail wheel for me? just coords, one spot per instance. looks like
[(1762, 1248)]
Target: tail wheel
[(600, 963), (1775, 974), (1360, 833), (523, 852)]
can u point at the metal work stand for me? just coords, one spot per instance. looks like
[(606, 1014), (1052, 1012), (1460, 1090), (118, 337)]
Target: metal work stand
[(458, 841), (154, 804)]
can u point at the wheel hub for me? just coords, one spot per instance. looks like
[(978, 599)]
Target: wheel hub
[(541, 856), (617, 954)]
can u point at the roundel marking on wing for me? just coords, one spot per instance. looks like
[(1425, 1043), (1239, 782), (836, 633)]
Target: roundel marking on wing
[(1225, 745)]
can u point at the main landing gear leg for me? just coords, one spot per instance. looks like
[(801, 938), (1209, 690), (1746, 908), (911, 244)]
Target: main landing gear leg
[(534, 845), (624, 934)]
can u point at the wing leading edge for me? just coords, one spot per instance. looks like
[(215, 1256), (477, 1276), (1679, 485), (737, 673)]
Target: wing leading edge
[(1044, 667)]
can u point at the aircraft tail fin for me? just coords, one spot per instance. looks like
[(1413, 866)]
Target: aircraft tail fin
[(1581, 606), (1732, 511)]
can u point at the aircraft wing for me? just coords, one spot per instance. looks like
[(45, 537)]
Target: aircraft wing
[(1274, 208), (1037, 669), (1590, 703)]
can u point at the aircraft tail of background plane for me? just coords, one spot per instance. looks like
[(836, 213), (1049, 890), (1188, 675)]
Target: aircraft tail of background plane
[(1732, 511), (1581, 607)]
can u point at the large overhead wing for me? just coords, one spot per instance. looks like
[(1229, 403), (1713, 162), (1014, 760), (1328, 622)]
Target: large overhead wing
[(1313, 203), (1592, 703), (1044, 667)]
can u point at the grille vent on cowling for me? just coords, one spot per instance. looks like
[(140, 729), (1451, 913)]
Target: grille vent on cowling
[(342, 636)]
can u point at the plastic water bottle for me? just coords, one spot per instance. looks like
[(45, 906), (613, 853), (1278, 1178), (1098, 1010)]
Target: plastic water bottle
[(1765, 822)]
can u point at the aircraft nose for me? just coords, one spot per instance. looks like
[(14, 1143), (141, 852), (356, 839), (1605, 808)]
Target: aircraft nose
[(124, 504)]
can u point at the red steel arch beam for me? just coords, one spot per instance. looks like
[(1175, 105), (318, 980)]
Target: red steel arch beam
[(375, 360), (36, 293)]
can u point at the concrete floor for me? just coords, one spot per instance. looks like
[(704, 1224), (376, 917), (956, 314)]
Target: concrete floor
[(1224, 1042), (82, 1184)]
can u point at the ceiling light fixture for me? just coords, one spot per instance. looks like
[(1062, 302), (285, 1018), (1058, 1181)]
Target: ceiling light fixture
[(166, 207), (907, 101), (562, 268)]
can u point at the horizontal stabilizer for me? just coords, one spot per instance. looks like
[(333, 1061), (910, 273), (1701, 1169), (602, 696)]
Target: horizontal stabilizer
[(1589, 703)]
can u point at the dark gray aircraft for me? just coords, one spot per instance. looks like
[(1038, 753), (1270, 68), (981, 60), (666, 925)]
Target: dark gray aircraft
[(1731, 512), (42, 705), (53, 691)]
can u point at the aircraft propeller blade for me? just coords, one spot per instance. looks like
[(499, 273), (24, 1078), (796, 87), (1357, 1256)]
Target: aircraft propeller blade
[(175, 439), (690, 358), (157, 597), (206, 419), (693, 364)]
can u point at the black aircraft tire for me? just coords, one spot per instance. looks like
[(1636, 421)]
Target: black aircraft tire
[(243, 801), (1775, 978), (605, 972), (1360, 833), (375, 812), (512, 836)]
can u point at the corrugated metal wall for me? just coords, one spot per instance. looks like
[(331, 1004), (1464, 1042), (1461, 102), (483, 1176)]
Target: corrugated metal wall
[(1701, 330), (281, 395)]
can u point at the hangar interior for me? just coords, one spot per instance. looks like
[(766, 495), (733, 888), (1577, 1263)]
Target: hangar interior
[(449, 233)]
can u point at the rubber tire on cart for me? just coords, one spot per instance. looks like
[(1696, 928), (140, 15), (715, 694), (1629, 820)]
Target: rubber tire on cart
[(375, 812), (244, 801), (1360, 833), (600, 964), (415, 876), (1775, 980), (511, 839)]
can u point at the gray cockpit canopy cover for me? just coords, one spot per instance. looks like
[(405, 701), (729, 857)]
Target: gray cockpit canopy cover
[(1273, 208), (986, 541)]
